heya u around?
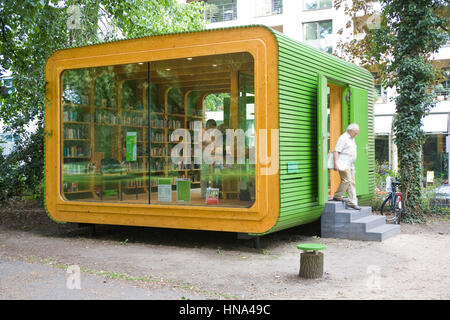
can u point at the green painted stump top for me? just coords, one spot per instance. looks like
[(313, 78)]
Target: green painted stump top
[(311, 246)]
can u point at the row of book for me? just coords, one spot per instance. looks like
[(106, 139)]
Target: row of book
[(194, 125), (106, 117), (158, 165), (132, 119), (169, 124), (78, 168), (158, 137), (159, 152), (75, 116), (135, 165), (74, 151), (74, 133)]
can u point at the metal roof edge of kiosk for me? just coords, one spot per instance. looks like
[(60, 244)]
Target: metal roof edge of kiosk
[(113, 111)]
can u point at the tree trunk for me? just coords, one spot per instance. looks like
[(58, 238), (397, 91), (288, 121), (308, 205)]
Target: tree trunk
[(311, 265)]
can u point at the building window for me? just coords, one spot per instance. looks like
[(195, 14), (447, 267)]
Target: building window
[(268, 7), (221, 10), (317, 4), (435, 156), (443, 90), (319, 34), (164, 139), (382, 149), (380, 92)]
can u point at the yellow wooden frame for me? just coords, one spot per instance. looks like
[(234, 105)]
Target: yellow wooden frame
[(258, 41)]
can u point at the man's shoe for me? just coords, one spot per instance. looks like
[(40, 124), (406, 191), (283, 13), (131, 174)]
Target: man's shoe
[(354, 206), (338, 199)]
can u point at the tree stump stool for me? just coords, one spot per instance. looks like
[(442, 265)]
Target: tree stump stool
[(311, 260)]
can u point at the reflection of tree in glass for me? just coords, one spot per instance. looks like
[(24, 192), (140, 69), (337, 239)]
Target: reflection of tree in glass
[(105, 89), (75, 84), (214, 102)]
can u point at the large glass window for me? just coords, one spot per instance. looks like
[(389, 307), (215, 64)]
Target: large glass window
[(382, 148), (435, 156), (166, 132), (319, 34)]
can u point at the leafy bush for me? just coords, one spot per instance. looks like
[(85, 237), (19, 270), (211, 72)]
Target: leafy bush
[(432, 202), (22, 171)]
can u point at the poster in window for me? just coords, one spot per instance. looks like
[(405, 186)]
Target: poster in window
[(131, 146), (164, 190), (183, 190), (212, 196)]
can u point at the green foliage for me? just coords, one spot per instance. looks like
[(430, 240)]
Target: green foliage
[(400, 49), (431, 200), (147, 17), (21, 172), (432, 203), (382, 171), (214, 102), (30, 31)]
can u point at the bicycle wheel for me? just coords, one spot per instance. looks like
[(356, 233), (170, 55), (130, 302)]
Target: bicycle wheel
[(390, 208)]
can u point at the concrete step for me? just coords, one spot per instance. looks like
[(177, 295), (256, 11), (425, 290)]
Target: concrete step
[(368, 222), (383, 232), (346, 215), (337, 221)]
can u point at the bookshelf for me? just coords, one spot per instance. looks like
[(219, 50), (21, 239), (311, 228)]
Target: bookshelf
[(96, 123)]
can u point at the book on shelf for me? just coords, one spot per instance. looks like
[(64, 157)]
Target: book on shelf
[(74, 133), (78, 168), (74, 151)]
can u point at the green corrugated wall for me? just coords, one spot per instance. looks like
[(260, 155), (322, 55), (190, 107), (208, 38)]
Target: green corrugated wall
[(299, 67)]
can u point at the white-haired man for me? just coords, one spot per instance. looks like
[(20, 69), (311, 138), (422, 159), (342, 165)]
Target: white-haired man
[(346, 149)]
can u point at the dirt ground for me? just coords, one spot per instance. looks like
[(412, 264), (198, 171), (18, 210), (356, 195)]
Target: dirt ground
[(217, 265)]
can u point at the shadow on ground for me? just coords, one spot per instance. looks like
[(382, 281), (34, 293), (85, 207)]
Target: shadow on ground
[(32, 217)]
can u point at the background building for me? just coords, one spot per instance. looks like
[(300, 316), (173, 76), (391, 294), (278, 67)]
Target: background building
[(316, 22), (7, 139)]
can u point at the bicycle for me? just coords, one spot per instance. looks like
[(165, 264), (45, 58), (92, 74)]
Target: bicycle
[(393, 211)]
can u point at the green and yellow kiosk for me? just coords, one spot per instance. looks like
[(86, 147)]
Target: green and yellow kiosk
[(127, 124)]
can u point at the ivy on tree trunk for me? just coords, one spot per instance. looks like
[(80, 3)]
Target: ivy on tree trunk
[(400, 49)]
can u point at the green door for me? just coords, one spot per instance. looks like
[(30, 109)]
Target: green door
[(322, 140), (359, 114)]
